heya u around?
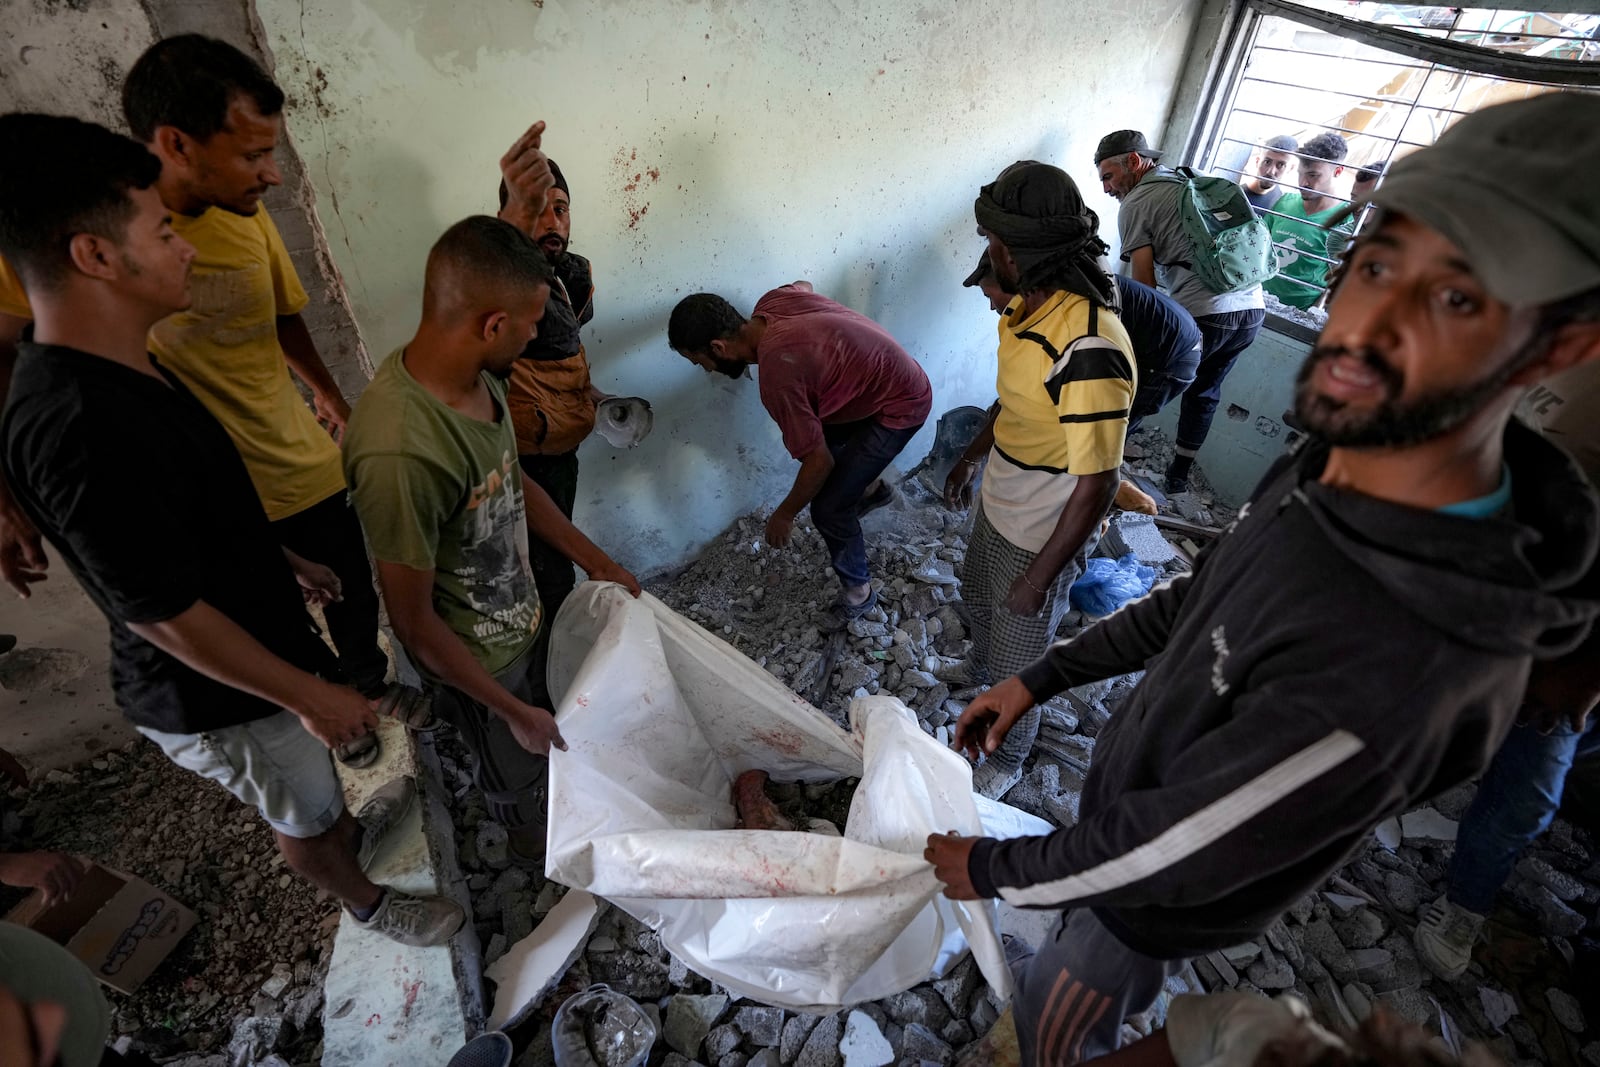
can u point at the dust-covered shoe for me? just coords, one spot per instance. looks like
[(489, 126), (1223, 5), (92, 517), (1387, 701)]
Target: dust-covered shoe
[(415, 921), (1445, 937), (386, 807)]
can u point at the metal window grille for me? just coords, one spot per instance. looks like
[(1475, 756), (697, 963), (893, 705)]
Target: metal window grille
[(1387, 78)]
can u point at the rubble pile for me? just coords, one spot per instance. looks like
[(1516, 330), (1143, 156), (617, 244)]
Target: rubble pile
[(1314, 318), (246, 983), (1343, 949), (1350, 946)]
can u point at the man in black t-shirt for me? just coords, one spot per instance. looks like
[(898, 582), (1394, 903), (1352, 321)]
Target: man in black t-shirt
[(144, 496)]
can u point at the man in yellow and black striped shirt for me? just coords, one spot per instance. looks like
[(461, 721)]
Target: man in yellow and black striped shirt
[(1066, 383)]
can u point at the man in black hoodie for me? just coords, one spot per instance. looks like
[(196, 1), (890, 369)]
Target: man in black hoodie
[(1362, 636)]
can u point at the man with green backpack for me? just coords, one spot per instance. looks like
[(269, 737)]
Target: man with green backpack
[(1199, 238)]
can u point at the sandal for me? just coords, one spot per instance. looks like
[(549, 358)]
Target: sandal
[(854, 611), (410, 706), (362, 752)]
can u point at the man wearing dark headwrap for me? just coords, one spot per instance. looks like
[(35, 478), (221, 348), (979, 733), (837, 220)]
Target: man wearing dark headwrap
[(551, 398), (1066, 382)]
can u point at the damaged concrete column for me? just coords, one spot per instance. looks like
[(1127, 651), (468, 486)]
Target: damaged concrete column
[(293, 204)]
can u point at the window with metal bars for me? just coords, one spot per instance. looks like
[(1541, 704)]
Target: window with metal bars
[(1385, 79)]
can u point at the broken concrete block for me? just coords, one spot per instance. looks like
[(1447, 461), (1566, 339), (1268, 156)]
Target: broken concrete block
[(531, 967), (918, 678), (1360, 1005), (491, 843), (1243, 954), (1361, 929), (256, 1038), (795, 1033), (1373, 965), (767, 1057), (957, 1033), (920, 1044), (1556, 918), (864, 1044), (1343, 903), (1565, 1007), (761, 1024), (1271, 972), (722, 1040), (690, 1018), (1426, 826), (1563, 886), (1224, 969), (918, 1005), (822, 1046), (1325, 947), (1410, 1004), (957, 987), (1498, 1006), (1403, 892)]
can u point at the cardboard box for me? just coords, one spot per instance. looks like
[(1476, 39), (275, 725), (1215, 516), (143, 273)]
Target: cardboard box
[(120, 926)]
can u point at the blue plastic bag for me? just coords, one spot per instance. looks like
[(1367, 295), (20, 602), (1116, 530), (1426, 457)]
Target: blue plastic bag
[(1107, 584)]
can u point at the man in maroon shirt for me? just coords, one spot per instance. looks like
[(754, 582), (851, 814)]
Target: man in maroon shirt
[(846, 396)]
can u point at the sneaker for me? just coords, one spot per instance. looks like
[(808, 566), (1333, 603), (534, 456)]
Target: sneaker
[(993, 779), (380, 813), (415, 921), (1445, 938), (964, 673)]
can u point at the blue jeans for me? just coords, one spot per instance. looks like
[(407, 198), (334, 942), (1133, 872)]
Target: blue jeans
[(1158, 385), (1224, 336), (861, 450), (1517, 798)]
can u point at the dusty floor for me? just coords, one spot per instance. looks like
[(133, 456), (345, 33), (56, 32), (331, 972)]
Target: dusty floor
[(263, 935), (260, 947), (56, 708)]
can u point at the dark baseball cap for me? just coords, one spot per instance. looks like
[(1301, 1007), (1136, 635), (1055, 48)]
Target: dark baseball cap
[(979, 272), (1121, 143), (1513, 188)]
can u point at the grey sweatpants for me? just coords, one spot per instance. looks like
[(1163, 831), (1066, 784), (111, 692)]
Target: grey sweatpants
[(511, 778), (1074, 992), (1002, 642)]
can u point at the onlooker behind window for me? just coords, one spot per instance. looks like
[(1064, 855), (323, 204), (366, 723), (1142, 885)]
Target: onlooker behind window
[(1301, 221), (1367, 179), (1268, 166)]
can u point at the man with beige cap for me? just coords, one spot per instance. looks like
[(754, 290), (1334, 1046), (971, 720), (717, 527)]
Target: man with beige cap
[(1362, 637)]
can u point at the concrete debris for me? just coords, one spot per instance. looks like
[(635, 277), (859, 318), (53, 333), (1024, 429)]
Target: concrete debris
[(253, 969), (1425, 826), (1563, 886), (1498, 1006), (864, 1044), (822, 1046), (1567, 1010)]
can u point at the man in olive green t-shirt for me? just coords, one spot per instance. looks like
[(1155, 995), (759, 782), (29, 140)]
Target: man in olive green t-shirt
[(431, 459)]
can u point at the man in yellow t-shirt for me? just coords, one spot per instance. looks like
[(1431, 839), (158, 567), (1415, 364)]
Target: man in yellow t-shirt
[(213, 117), (1066, 384)]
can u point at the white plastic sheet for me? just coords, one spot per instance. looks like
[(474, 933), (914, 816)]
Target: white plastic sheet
[(661, 717)]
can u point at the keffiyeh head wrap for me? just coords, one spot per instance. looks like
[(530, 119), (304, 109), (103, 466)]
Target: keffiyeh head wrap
[(1038, 214)]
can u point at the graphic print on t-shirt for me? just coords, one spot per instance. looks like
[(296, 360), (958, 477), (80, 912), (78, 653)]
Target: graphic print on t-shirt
[(229, 308), (495, 565)]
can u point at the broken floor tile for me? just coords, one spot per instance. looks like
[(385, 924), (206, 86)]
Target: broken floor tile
[(1425, 826)]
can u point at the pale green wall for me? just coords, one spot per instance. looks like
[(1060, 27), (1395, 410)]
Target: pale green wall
[(842, 143)]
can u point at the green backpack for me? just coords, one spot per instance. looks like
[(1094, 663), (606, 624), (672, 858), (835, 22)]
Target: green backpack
[(1232, 246)]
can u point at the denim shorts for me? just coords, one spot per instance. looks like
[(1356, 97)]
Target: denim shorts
[(274, 764)]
